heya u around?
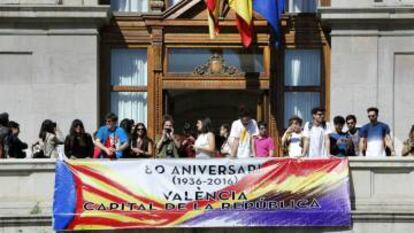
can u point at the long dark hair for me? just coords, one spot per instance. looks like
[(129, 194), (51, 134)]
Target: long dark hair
[(73, 134), (74, 125), (48, 126), (134, 136), (206, 122)]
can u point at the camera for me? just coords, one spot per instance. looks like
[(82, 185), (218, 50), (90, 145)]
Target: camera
[(168, 130)]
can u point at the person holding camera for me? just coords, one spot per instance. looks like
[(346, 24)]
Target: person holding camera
[(168, 144)]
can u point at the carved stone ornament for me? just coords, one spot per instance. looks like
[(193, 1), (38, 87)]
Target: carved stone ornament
[(157, 5), (216, 67)]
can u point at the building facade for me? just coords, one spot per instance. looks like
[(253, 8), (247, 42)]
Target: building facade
[(67, 59), (144, 59), (80, 59)]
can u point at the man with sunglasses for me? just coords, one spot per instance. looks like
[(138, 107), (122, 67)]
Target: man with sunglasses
[(353, 131), (375, 136), (111, 139)]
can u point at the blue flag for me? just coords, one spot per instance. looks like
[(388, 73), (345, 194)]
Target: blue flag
[(271, 10)]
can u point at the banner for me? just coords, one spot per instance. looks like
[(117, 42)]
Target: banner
[(161, 193)]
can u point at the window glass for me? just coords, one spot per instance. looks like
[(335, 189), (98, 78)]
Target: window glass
[(132, 105), (300, 104), (129, 5), (302, 6), (302, 67), (129, 67)]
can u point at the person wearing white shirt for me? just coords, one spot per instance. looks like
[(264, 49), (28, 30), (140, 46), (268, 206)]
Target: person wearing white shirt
[(292, 139), (316, 135), (241, 135), (205, 144)]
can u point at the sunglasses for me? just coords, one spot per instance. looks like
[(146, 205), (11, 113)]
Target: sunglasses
[(140, 129)]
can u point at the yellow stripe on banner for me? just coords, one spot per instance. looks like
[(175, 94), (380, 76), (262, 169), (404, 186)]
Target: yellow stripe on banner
[(107, 188), (243, 8), (295, 184), (91, 227)]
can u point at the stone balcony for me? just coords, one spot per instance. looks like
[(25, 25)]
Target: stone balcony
[(382, 198)]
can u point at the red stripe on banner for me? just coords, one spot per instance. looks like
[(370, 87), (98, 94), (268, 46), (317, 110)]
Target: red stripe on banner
[(79, 200), (77, 220), (103, 194), (108, 181), (246, 31)]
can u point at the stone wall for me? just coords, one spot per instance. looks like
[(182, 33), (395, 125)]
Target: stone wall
[(49, 64)]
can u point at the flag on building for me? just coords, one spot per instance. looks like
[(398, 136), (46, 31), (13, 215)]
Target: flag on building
[(244, 20), (213, 7), (272, 11)]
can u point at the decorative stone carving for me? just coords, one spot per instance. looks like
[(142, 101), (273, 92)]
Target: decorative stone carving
[(216, 67), (157, 5)]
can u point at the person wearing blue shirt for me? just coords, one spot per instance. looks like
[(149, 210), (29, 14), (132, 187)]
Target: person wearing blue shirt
[(375, 136), (111, 139), (341, 143)]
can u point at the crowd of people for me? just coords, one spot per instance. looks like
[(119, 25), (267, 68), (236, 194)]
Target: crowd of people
[(245, 138)]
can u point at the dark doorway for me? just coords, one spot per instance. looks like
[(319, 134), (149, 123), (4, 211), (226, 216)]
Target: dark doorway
[(221, 106)]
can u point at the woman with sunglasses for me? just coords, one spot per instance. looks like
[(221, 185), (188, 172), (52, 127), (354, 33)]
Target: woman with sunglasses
[(141, 145)]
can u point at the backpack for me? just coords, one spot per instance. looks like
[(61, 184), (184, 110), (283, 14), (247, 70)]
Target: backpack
[(38, 151)]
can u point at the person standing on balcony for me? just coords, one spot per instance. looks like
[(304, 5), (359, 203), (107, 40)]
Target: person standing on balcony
[(263, 145), (225, 148), (340, 142), (242, 134), (16, 146), (4, 133), (292, 139), (408, 145), (353, 130), (141, 144), (78, 144), (50, 137), (187, 142), (111, 139), (316, 135), (375, 136), (167, 144), (205, 144)]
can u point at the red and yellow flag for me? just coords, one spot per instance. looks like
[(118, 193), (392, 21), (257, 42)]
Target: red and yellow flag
[(213, 7), (244, 12)]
